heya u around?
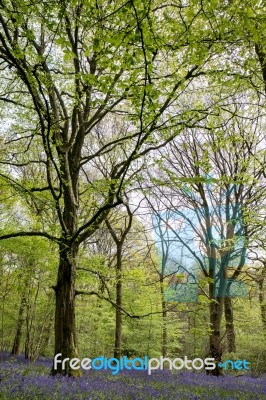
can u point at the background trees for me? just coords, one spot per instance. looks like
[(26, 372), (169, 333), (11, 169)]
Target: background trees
[(213, 183), (90, 93)]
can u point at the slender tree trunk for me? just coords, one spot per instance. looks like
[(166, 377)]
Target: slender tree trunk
[(65, 326), (27, 336), (118, 313), (164, 316), (229, 323), (119, 284), (47, 335), (28, 320), (18, 336), (262, 301)]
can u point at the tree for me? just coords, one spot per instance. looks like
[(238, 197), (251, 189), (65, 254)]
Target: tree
[(257, 273), (212, 181), (169, 267), (70, 71), (119, 239)]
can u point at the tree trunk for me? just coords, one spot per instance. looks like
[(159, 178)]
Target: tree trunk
[(216, 311), (119, 294), (65, 327), (230, 329), (164, 316), (47, 335), (18, 336), (118, 313), (27, 336), (262, 304)]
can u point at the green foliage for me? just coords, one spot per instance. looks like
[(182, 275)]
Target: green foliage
[(89, 90)]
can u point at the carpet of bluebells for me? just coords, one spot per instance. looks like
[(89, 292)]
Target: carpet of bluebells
[(21, 380)]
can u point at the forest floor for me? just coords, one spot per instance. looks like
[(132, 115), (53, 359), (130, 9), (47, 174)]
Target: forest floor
[(21, 380)]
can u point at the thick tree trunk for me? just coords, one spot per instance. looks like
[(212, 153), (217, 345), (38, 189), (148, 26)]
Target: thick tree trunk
[(118, 313), (164, 321), (230, 329), (65, 327), (18, 336), (260, 50), (216, 311)]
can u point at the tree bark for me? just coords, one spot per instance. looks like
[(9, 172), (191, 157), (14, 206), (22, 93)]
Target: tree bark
[(118, 313), (216, 311), (119, 284), (262, 301), (229, 323), (65, 326), (28, 333), (259, 48), (18, 336), (47, 335), (164, 317)]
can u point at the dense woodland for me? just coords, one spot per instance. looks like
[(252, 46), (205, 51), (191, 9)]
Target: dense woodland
[(132, 179)]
